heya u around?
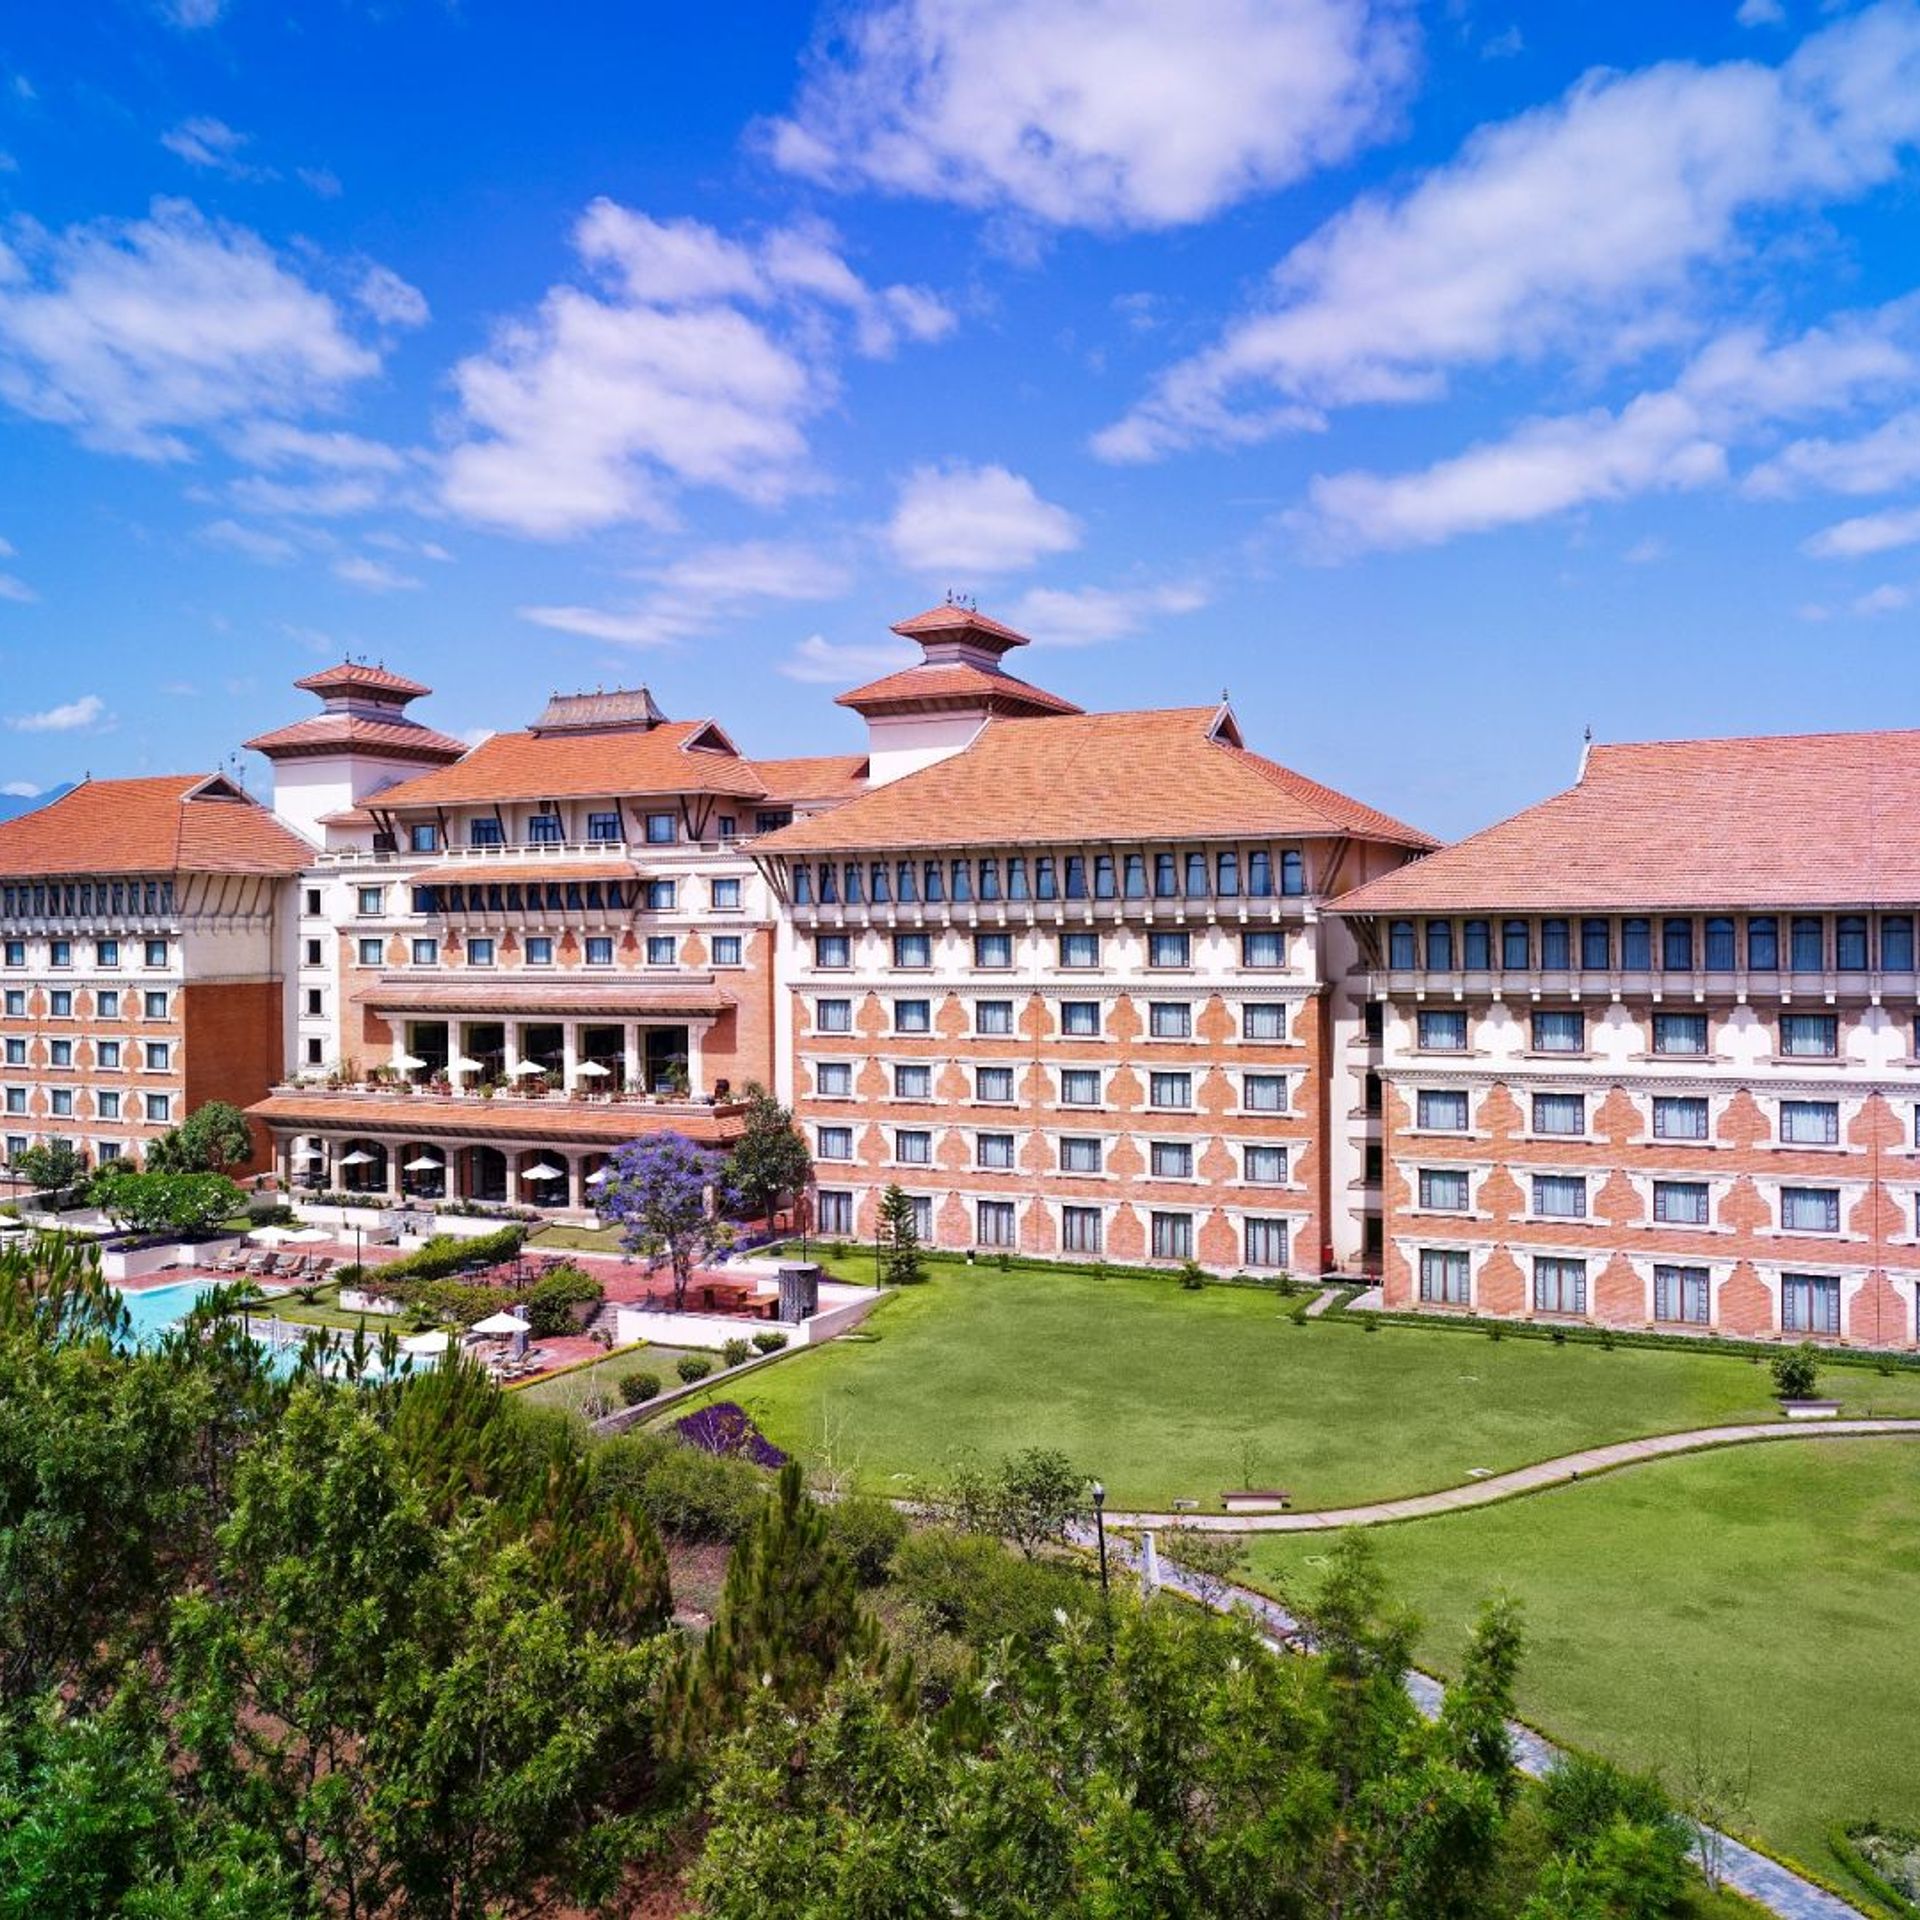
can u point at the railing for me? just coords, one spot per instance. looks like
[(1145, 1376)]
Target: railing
[(411, 1098), (519, 852), (1640, 984)]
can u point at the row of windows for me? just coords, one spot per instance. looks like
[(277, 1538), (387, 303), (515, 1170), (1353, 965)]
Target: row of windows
[(1813, 943), (155, 1055), (549, 829), (106, 953), (1260, 1165), (81, 899), (1079, 1019), (597, 950), (107, 1003), (1071, 877), (549, 896), (155, 1107), (1676, 1203), (1564, 1030), (1803, 1123), (1079, 1087), (1262, 949), (1809, 1303), (103, 1150)]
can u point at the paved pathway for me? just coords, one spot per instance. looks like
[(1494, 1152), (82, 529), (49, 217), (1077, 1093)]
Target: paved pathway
[(1321, 1301), (1503, 1486)]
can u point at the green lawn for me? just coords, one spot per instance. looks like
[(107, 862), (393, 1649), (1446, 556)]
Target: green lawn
[(554, 1237), (1764, 1594), (570, 1390), (1167, 1394)]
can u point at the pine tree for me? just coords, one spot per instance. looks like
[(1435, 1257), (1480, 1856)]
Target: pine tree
[(900, 1262)]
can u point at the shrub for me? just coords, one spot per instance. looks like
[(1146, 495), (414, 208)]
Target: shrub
[(1559, 1336), (638, 1388), (769, 1342), (1298, 1315), (970, 1586), (1370, 1323), (551, 1301), (683, 1491), (1621, 1847), (736, 1352), (1001, 1261), (1796, 1372), (868, 1531), (446, 1254), (693, 1366), (597, 1405), (724, 1428), (1192, 1276)]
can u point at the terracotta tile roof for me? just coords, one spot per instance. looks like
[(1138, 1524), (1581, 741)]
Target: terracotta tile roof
[(513, 872), (954, 683), (1787, 820), (430, 1117), (573, 994), (347, 817), (830, 776), (350, 674), (1176, 773), (527, 766), (951, 622), (174, 823), (342, 732)]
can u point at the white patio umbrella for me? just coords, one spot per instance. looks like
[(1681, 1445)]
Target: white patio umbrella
[(438, 1341), (464, 1065), (423, 1163), (599, 1176), (356, 1159), (409, 1063), (522, 1068), (271, 1236), (308, 1236), (591, 1070), (543, 1170), (501, 1325)]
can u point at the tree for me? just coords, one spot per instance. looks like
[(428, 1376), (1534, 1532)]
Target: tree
[(167, 1202), (50, 1167), (1031, 1499), (770, 1163), (210, 1139), (900, 1262), (1796, 1372), (663, 1192)]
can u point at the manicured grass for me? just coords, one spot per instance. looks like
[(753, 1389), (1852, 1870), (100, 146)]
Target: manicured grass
[(550, 1238), (1764, 1595), (570, 1390), (1167, 1394)]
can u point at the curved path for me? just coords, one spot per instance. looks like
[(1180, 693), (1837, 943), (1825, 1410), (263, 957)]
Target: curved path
[(1503, 1486)]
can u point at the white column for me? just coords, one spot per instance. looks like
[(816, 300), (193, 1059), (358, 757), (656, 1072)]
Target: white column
[(630, 1063), (695, 1079), (569, 1052), (514, 1055), (576, 1191)]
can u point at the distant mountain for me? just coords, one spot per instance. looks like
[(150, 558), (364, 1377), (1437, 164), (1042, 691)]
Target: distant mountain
[(17, 803)]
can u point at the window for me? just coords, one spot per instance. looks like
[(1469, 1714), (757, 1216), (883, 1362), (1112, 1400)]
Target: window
[(1080, 1229), (545, 830), (1443, 1189), (1173, 1236), (1293, 871), (60, 953), (60, 1053), (1476, 944), (1680, 1295), (1169, 949), (1170, 1090), (913, 951), (725, 894), (1807, 951), (1265, 1243), (993, 1019), (1562, 1030), (314, 954), (155, 1005), (913, 1080), (16, 1053), (1636, 945), (1444, 1278), (662, 950), (107, 1004), (1264, 1093), (1170, 1020), (1080, 1019), (426, 953), (1265, 949), (1263, 1020), (663, 829), (1439, 946), (1560, 1113), (836, 1212), (832, 952), (1810, 1209), (1559, 1286), (660, 896), (993, 951), (993, 1085), (1809, 1035), (370, 953), (372, 899), (1560, 1196), (1515, 945), (1896, 943), (1079, 1086), (993, 1223), (479, 953), (1555, 946), (1676, 945), (913, 1146), (1679, 1033), (994, 1151), (727, 826), (1850, 943), (834, 1143), (316, 1002), (423, 838), (1079, 951), (599, 950), (158, 1056), (109, 1104), (16, 953), (16, 1002), (1441, 1110), (727, 951), (485, 830), (913, 1016), (60, 1103), (1720, 946), (1681, 1203), (833, 1016), (1810, 1123), (1596, 946), (1809, 1303), (159, 1107), (1264, 1166), (156, 953), (16, 1099), (106, 953), (1442, 1032), (1679, 1117), (540, 950), (1082, 1153), (603, 826), (60, 1003), (833, 1080), (1170, 1160), (1400, 949)]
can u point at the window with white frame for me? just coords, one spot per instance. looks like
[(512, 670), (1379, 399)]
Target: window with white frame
[(993, 1223), (1079, 950), (1681, 1203), (1263, 949), (921, 1206), (833, 1016), (1263, 1020), (1080, 1230), (60, 1103), (1679, 1117), (993, 952), (993, 1151), (60, 1053), (155, 1005), (156, 952), (1810, 1035), (107, 1004), (1265, 1242), (1173, 1236), (1560, 1196), (662, 950), (479, 952), (1810, 1123), (426, 953), (1170, 1019), (1264, 1166), (993, 1085), (109, 1105), (1169, 1090), (833, 1080), (1681, 1295), (1560, 1113), (1441, 1030), (1445, 1277), (1443, 1189), (16, 1053), (913, 1016), (159, 1107), (661, 896), (835, 1211), (540, 950), (371, 900), (1080, 1019), (913, 1146), (993, 1019), (599, 949), (1263, 1092), (1559, 1284), (1082, 1153), (1809, 1303), (1079, 1086), (1170, 1160), (1559, 1030), (1441, 1110), (1169, 949), (1679, 1033), (833, 1143), (832, 952), (913, 952), (1810, 1209), (727, 950), (159, 1056), (725, 893), (913, 1080)]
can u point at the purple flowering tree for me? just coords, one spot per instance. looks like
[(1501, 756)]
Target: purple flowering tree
[(664, 1193)]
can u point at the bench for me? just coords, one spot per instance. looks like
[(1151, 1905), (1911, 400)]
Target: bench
[(1257, 1500)]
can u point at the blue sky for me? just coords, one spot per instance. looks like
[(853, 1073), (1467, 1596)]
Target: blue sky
[(1439, 381)]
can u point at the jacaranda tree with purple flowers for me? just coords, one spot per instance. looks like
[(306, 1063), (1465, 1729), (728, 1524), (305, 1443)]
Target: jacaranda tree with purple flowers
[(665, 1194)]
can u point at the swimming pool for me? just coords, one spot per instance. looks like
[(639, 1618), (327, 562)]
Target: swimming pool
[(154, 1309)]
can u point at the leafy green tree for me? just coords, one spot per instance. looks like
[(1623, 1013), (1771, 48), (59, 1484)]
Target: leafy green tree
[(770, 1164), (212, 1138), (900, 1261), (1031, 1498), (51, 1166), (1796, 1372), (167, 1202)]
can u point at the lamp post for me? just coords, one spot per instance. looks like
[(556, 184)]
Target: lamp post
[(1100, 1533)]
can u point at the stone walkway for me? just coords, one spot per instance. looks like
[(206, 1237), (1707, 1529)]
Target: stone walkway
[(1503, 1486)]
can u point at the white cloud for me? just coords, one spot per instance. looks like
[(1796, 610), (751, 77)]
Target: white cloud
[(84, 714), (374, 575), (1089, 615), (1883, 599), (1869, 533), (1588, 218), (697, 367), (21, 790), (255, 542), (1112, 114), (1760, 13), (278, 443), (191, 14), (322, 182), (699, 591), (211, 144), (821, 662), (131, 333), (975, 520), (391, 300), (12, 587), (1877, 462), (1643, 553), (331, 498), (1507, 45)]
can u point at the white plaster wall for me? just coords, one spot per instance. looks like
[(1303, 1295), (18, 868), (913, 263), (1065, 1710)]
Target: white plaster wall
[(905, 743)]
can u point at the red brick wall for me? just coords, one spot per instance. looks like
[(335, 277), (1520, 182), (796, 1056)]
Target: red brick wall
[(233, 1049)]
